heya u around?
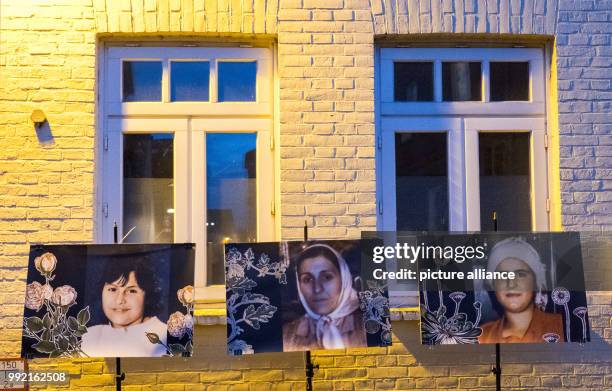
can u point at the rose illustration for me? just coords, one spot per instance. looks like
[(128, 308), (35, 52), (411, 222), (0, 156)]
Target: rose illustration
[(153, 338), (188, 323), (186, 295), (176, 325), (46, 263), (35, 296), (64, 295), (47, 291)]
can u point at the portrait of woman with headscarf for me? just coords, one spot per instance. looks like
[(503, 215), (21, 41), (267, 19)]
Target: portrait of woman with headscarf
[(331, 316), (521, 301)]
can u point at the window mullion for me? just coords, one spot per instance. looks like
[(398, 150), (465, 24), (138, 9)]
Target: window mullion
[(438, 81), (181, 187), (456, 178), (486, 83), (165, 81), (472, 180), (214, 81), (198, 202)]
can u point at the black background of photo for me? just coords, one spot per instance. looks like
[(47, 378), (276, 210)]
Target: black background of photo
[(70, 270), (181, 275), (269, 337)]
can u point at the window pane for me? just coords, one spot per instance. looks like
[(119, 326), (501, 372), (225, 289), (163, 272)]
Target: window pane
[(237, 81), (461, 81), (413, 81), (148, 196), (509, 81), (189, 80), (504, 181), (421, 181), (231, 199), (142, 81)]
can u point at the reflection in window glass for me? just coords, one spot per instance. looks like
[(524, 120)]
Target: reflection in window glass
[(509, 81), (189, 80), (148, 196), (237, 81), (231, 200), (421, 181), (461, 81), (504, 181), (142, 81), (413, 81)]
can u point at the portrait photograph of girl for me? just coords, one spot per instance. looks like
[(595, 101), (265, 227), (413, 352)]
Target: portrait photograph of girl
[(114, 301), (322, 306), (129, 292), (533, 307), (544, 302)]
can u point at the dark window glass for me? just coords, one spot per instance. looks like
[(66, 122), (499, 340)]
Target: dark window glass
[(504, 181), (237, 81), (509, 81), (413, 81), (189, 80), (421, 181), (231, 198), (148, 196), (142, 81), (461, 81)]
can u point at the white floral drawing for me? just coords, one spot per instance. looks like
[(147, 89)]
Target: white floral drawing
[(243, 306), (375, 306), (56, 333), (581, 312), (179, 325), (440, 329)]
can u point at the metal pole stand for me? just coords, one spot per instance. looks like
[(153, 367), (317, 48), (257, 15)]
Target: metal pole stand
[(497, 370), (310, 367), (119, 376)]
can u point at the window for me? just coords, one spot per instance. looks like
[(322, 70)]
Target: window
[(461, 135), (413, 81), (187, 150), (461, 81)]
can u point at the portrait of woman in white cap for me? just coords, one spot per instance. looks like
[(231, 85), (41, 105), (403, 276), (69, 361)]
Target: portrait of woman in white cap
[(332, 318), (520, 301)]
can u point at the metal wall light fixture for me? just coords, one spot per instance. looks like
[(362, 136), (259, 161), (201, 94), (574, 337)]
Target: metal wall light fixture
[(38, 117)]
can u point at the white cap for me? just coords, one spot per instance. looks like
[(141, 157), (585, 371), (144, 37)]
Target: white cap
[(518, 248)]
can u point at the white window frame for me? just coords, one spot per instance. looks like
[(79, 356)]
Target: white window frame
[(536, 127), (189, 122), (454, 154), (262, 105), (536, 104), (462, 122)]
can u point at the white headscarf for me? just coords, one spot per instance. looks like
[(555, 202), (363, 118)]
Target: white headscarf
[(328, 334)]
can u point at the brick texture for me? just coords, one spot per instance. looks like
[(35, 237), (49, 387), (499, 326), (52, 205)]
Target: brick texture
[(327, 150)]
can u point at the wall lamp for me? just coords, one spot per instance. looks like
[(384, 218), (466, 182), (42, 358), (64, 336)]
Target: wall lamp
[(38, 117)]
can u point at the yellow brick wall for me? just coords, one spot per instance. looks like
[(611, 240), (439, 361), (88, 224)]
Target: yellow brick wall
[(326, 80)]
